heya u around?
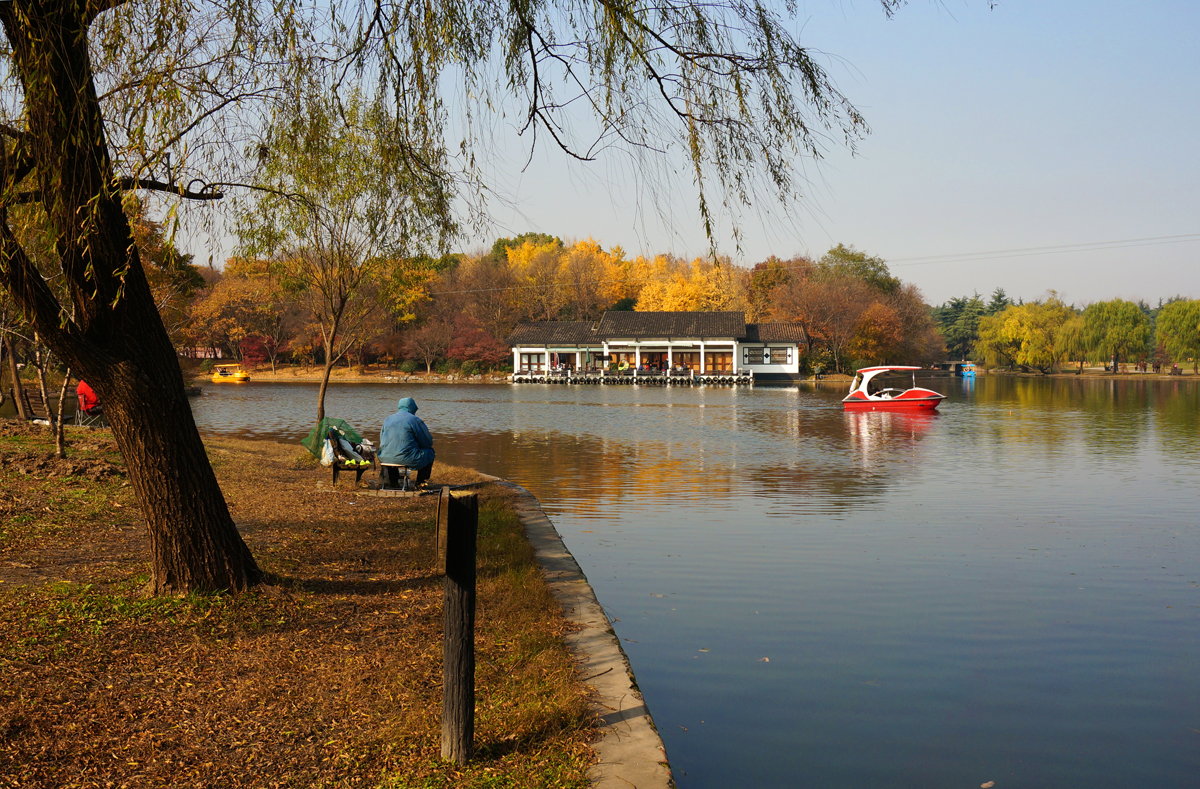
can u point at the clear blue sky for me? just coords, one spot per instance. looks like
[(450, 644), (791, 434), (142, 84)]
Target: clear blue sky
[(1034, 124)]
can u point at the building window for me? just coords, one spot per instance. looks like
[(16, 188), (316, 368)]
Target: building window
[(767, 355), (718, 362), (533, 362)]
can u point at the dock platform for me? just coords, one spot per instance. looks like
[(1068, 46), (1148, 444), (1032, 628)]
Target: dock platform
[(631, 378)]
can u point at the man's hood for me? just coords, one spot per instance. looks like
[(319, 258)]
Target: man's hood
[(407, 404)]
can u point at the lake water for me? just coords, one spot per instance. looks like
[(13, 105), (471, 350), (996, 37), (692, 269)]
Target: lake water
[(1004, 591)]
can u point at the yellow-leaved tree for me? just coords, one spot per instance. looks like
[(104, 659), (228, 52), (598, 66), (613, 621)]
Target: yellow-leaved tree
[(702, 286)]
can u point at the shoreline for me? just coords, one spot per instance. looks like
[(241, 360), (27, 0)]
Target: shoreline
[(351, 377), (630, 751), (1096, 374)]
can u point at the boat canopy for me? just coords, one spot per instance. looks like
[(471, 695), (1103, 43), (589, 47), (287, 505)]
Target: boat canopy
[(867, 373)]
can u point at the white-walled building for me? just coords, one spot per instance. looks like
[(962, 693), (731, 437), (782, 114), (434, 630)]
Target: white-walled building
[(704, 342)]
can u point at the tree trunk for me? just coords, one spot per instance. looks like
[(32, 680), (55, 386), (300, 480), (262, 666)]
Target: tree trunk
[(330, 360), (18, 391), (42, 362), (60, 441), (115, 340), (324, 387)]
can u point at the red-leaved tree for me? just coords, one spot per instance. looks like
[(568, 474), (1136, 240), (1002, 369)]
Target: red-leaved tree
[(472, 343)]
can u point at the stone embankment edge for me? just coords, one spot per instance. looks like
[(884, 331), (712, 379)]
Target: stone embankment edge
[(630, 752)]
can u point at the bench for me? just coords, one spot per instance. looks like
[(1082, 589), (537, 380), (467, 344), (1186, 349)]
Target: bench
[(1175, 371), (340, 465)]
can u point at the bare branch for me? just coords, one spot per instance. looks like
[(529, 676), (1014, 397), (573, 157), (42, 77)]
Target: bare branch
[(205, 192)]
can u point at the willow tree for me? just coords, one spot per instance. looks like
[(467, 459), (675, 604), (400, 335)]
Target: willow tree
[(104, 98), (1178, 331), (1038, 332), (1117, 329)]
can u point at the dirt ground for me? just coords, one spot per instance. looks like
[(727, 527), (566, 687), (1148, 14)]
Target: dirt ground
[(329, 676)]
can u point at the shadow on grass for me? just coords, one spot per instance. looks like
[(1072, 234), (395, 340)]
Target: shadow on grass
[(350, 587)]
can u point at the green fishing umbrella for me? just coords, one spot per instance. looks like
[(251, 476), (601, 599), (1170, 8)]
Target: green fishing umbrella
[(316, 438)]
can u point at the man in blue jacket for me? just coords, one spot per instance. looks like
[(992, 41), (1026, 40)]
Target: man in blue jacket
[(405, 440)]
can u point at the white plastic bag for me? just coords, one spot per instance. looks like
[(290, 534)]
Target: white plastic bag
[(327, 454)]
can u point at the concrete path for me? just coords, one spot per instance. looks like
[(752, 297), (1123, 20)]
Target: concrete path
[(630, 751)]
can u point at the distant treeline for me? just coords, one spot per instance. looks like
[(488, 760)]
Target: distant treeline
[(455, 311), (1046, 334)]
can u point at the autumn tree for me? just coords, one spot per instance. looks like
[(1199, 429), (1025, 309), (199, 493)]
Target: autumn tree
[(584, 267), (765, 278), (920, 342), (1116, 329), (828, 308), (1073, 341), (407, 282), (470, 343), (878, 334), (338, 193), (247, 302), (172, 276), (622, 280), (483, 287), (995, 346), (701, 286), (501, 246), (223, 315), (1178, 331), (430, 342), (1037, 331), (536, 269)]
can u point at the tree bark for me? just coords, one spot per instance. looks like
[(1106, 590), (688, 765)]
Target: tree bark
[(116, 340), (18, 391)]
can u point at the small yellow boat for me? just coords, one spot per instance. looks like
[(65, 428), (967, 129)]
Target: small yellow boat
[(229, 374)]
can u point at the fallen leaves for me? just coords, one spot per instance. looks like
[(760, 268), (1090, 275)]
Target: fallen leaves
[(317, 686)]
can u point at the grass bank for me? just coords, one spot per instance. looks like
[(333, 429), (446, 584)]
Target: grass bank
[(330, 676)]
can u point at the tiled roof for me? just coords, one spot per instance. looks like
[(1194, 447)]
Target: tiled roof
[(553, 333), (664, 325), (653, 326), (774, 332)]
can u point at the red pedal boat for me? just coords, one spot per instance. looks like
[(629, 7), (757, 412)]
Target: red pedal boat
[(861, 398)]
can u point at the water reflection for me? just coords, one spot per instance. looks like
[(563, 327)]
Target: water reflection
[(877, 437)]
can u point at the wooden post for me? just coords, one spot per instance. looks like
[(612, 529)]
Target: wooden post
[(443, 523), (458, 644)]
